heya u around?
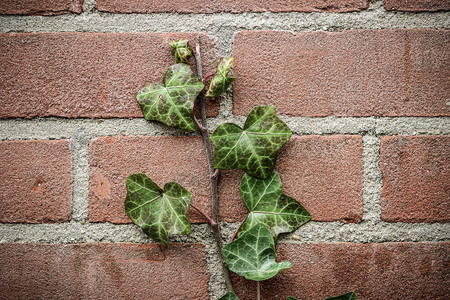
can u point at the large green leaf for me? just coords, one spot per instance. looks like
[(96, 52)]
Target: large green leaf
[(173, 102), (347, 296), (160, 213), (229, 296), (254, 148), (221, 81), (267, 204), (253, 255)]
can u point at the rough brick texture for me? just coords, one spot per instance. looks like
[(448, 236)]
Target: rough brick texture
[(103, 271), (417, 5), (35, 181), (236, 6), (40, 7), (323, 173), (416, 178), (94, 75), (163, 159), (374, 271), (350, 73)]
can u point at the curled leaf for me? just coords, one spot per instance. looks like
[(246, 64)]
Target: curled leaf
[(221, 81), (267, 204), (172, 103), (252, 255), (181, 51), (160, 213), (254, 148)]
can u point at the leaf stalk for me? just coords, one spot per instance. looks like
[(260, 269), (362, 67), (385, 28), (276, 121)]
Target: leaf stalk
[(210, 221)]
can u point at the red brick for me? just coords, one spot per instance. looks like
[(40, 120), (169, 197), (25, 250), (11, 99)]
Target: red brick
[(416, 178), (103, 271), (373, 271), (94, 75), (163, 159), (35, 181), (417, 5), (40, 7), (324, 173), (401, 72), (235, 6)]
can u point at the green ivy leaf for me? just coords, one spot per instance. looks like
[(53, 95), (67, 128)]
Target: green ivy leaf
[(173, 102), (160, 213), (267, 204), (347, 296), (221, 81), (229, 296), (291, 298), (181, 51), (253, 149), (252, 255)]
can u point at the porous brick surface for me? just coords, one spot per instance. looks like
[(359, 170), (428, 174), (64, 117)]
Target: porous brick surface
[(417, 5), (35, 181), (236, 6), (40, 7), (350, 73), (103, 271), (416, 178), (93, 75), (373, 271)]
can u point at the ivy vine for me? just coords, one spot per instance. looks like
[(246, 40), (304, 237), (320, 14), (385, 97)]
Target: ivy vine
[(163, 212)]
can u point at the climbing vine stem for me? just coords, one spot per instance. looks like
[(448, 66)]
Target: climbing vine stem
[(213, 176)]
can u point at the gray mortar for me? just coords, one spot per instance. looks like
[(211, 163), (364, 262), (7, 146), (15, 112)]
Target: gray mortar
[(221, 27)]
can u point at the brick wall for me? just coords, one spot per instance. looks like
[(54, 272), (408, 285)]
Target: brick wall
[(364, 86)]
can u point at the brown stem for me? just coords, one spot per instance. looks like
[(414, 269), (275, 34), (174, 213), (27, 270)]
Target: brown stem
[(258, 290), (213, 179), (211, 221), (200, 126)]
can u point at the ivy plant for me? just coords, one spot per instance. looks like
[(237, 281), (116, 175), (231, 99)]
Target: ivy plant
[(162, 212)]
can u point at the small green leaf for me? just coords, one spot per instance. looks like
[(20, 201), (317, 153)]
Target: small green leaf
[(181, 51), (160, 213), (229, 296), (291, 298), (267, 204), (253, 149), (173, 102), (347, 296), (221, 81), (253, 255)]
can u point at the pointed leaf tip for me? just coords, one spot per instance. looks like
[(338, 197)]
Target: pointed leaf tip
[(229, 296), (347, 296), (181, 51), (267, 204), (160, 213), (173, 102), (221, 81), (252, 149), (252, 255)]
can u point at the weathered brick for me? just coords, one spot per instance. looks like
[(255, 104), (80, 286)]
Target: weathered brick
[(235, 6), (163, 159), (94, 75), (40, 7), (401, 72), (417, 5), (324, 173), (35, 181), (103, 271), (416, 178), (373, 271)]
